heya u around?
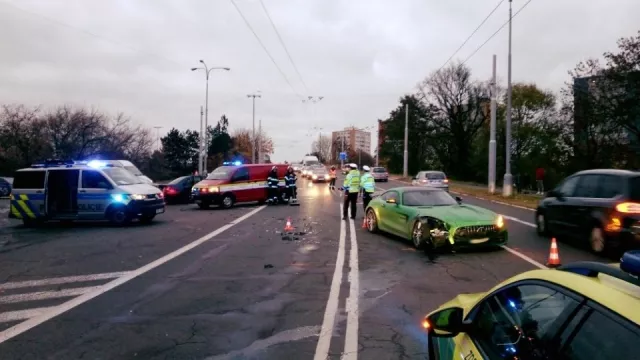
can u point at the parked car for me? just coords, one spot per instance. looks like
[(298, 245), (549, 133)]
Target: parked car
[(179, 189), (600, 207), (380, 174), (583, 310), (434, 179), (5, 187), (431, 218)]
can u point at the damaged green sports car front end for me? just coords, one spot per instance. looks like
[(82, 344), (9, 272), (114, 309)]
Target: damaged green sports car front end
[(431, 218)]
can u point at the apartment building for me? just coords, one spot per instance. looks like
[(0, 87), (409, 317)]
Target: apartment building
[(354, 139)]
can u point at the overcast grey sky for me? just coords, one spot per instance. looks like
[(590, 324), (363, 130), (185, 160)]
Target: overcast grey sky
[(134, 56)]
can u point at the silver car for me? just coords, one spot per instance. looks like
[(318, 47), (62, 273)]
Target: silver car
[(380, 174), (434, 179), (319, 174)]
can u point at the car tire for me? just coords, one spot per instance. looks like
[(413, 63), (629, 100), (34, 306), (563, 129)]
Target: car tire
[(417, 235), (118, 216), (372, 221), (542, 226), (597, 240), (227, 201)]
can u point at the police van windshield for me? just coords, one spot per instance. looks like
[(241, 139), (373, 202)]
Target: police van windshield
[(221, 173), (134, 170), (121, 176), (311, 163)]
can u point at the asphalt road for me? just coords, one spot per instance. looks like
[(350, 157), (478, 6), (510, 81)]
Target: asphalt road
[(228, 284)]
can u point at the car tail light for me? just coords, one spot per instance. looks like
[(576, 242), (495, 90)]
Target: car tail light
[(628, 208), (170, 190), (160, 195)]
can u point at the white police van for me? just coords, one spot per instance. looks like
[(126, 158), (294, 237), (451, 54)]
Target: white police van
[(76, 190)]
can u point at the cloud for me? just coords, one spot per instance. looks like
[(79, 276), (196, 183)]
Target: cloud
[(362, 56)]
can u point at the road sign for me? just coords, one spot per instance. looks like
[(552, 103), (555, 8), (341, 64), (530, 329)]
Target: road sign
[(343, 156)]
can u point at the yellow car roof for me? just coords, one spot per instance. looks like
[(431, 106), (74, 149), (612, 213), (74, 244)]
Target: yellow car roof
[(615, 294)]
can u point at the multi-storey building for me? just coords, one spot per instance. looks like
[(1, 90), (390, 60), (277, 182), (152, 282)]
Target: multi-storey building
[(354, 139)]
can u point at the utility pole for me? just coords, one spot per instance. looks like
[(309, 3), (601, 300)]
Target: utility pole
[(507, 185), (492, 137), (253, 140), (203, 133), (405, 168), (158, 136), (342, 161), (201, 152), (260, 157)]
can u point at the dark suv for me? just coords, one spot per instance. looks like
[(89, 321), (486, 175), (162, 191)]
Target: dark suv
[(601, 206)]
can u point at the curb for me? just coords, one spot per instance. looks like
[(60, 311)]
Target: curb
[(478, 197)]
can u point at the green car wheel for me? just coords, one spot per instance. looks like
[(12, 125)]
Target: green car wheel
[(417, 235), (372, 221)]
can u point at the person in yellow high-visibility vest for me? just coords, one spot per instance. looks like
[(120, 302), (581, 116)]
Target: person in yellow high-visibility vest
[(351, 188)]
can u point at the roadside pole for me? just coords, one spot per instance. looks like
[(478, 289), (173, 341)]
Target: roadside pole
[(492, 141)]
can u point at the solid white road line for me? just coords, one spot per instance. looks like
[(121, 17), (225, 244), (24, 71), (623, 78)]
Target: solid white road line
[(61, 280), (10, 316), (519, 221), (44, 295), (331, 310), (524, 257), (352, 306), (57, 310)]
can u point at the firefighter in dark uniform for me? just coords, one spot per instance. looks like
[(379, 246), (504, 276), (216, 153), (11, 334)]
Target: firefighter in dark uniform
[(290, 184), (272, 184)]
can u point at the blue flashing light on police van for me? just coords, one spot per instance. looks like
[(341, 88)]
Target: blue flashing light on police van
[(232, 163), (630, 262), (117, 197), (96, 164)]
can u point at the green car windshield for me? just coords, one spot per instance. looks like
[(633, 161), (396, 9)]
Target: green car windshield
[(427, 198)]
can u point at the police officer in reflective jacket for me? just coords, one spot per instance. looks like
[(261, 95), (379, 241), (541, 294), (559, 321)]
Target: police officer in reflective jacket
[(290, 184), (351, 188), (368, 186), (272, 186)]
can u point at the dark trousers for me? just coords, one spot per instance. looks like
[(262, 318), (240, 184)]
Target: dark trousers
[(332, 183), (273, 193), (292, 192), (350, 200), (366, 197)]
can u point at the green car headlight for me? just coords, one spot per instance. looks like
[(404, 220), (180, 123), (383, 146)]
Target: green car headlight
[(499, 222)]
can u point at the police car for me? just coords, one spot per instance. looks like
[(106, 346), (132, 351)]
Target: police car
[(581, 311), (76, 190)]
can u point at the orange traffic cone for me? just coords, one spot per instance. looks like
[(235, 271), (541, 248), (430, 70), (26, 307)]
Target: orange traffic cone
[(288, 227), (364, 223), (554, 255)]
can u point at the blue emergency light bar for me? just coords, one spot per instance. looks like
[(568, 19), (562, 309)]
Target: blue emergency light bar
[(232, 163), (53, 163), (630, 262)]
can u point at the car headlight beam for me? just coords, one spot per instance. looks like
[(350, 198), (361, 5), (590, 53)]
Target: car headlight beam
[(500, 222)]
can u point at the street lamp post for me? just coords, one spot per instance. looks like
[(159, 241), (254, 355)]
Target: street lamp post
[(253, 139), (492, 136), (207, 71), (507, 186), (405, 167)]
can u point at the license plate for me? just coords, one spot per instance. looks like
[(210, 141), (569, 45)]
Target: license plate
[(159, 211)]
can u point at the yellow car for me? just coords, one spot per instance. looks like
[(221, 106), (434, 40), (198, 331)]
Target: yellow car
[(580, 311)]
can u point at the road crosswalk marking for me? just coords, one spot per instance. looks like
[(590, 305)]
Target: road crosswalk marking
[(62, 280), (32, 291)]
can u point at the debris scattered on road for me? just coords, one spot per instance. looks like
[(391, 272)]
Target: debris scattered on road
[(268, 266)]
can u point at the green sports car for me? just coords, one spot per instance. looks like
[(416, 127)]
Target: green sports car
[(431, 218)]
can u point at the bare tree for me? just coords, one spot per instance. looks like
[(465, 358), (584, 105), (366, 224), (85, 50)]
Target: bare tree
[(322, 147), (458, 105)]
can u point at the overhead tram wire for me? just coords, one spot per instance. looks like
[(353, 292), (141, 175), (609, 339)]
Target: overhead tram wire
[(463, 44), (286, 50), (495, 33), (91, 34), (265, 48)]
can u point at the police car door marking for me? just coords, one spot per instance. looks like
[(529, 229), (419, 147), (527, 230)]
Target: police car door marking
[(91, 207)]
